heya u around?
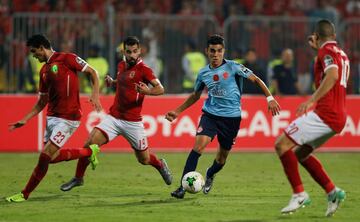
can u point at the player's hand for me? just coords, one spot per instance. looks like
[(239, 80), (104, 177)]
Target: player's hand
[(95, 101), (304, 108), (142, 88), (171, 116), (274, 107), (108, 81), (312, 42), (16, 125)]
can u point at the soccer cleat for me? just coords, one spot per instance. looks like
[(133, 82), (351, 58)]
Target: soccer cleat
[(179, 193), (334, 200), (74, 182), (19, 197), (165, 172), (93, 158), (208, 183), (296, 202)]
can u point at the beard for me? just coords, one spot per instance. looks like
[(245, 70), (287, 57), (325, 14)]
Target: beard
[(131, 62)]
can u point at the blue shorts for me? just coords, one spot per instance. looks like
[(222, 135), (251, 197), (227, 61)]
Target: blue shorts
[(226, 128)]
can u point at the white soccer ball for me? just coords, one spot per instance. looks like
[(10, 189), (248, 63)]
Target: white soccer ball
[(193, 182)]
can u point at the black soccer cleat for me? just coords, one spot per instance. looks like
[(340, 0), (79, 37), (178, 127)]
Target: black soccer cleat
[(208, 183), (74, 182), (179, 193)]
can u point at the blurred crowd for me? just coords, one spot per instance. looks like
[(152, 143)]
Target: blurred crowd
[(175, 49)]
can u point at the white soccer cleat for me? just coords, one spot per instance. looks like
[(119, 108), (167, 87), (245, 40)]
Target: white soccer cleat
[(297, 201), (334, 200)]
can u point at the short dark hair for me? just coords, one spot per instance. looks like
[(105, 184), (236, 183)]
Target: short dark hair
[(215, 40), (38, 40), (131, 40), (324, 28)]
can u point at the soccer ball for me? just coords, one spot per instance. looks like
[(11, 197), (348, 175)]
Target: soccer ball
[(193, 182)]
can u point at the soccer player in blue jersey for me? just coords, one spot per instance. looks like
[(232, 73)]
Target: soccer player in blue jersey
[(222, 109)]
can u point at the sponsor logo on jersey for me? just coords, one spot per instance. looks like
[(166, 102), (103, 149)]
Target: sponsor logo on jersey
[(80, 61), (217, 91), (328, 60)]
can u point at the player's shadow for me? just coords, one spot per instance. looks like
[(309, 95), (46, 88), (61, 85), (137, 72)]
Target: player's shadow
[(138, 203)]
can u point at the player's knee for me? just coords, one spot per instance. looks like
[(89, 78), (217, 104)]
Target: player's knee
[(199, 149), (280, 146)]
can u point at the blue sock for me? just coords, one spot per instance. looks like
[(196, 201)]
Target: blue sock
[(215, 167), (191, 163)]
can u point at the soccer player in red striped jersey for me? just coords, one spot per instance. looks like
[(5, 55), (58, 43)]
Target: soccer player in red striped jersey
[(124, 118), (313, 128), (59, 89)]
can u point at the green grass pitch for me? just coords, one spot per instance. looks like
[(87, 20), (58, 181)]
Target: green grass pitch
[(251, 187)]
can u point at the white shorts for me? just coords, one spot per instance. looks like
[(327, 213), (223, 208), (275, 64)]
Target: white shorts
[(133, 132), (309, 130), (59, 130)]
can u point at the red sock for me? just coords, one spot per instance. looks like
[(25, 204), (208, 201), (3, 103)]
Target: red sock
[(290, 165), (71, 154), (37, 175), (81, 167), (316, 170), (155, 162)]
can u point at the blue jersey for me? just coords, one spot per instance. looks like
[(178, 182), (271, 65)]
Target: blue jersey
[(224, 85)]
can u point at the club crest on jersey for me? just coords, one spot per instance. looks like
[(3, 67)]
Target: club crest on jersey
[(328, 60), (131, 74), (54, 69), (199, 130), (225, 75), (80, 61), (216, 77)]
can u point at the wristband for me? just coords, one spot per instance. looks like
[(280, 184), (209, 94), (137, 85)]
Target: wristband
[(269, 98)]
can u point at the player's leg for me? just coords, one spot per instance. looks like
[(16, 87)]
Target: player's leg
[(57, 132), (134, 133), (284, 148), (227, 129), (146, 158), (217, 165), (335, 195), (204, 135), (37, 175), (95, 139), (201, 141)]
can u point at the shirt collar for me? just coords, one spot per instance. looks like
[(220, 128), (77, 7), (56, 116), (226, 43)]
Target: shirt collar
[(50, 56), (328, 42)]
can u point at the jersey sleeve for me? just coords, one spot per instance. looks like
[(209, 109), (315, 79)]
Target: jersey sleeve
[(148, 74), (43, 87), (74, 62), (241, 70), (328, 59)]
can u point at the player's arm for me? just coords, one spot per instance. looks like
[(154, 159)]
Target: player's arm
[(156, 90), (273, 105), (94, 98), (331, 76), (40, 105), (195, 96)]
